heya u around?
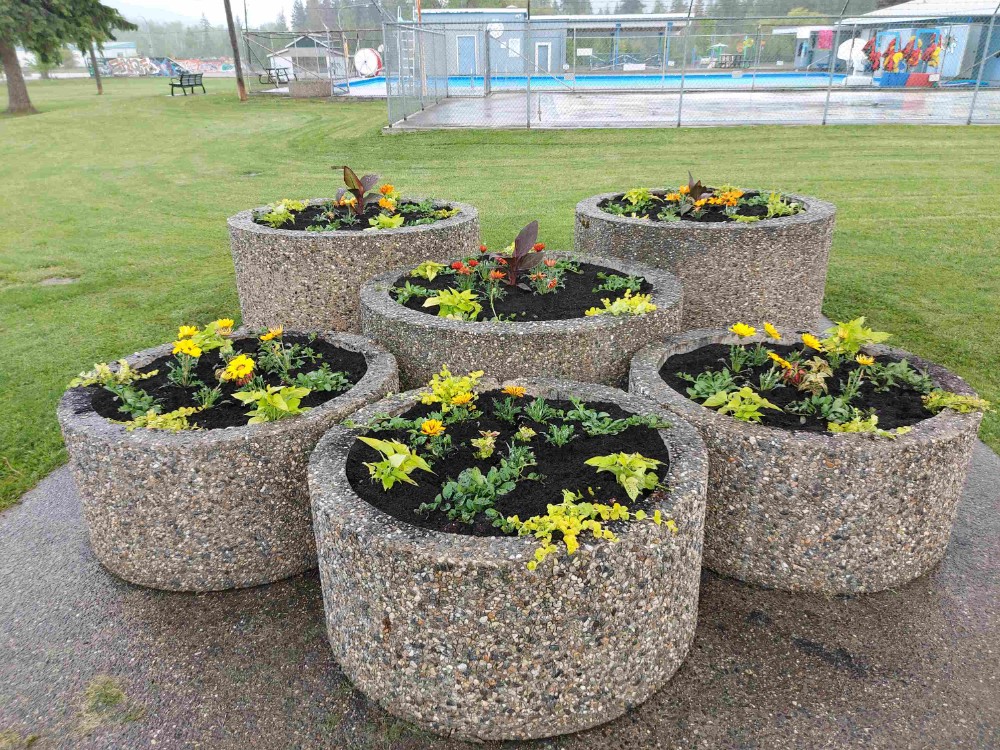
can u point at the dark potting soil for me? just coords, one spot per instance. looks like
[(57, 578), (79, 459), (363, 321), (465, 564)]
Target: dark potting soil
[(519, 304), (898, 407), (314, 215), (227, 411), (560, 467), (709, 214)]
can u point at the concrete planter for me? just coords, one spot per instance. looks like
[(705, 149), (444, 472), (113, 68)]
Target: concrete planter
[(309, 281), (454, 633), (824, 513), (310, 88), (209, 509), (772, 270), (595, 349)]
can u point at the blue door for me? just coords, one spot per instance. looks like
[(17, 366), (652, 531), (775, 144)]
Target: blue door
[(466, 55)]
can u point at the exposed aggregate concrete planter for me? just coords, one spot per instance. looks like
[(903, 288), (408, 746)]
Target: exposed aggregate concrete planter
[(453, 632), (815, 512), (309, 281), (595, 349), (206, 510), (772, 270)]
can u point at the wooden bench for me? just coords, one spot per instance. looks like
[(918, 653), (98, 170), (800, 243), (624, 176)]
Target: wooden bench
[(276, 76), (187, 81)]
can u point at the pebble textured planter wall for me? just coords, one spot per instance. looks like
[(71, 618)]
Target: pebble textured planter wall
[(595, 349), (309, 281), (772, 270), (454, 633), (815, 512), (208, 509)]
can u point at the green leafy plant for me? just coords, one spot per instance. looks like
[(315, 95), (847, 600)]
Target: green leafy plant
[(506, 410), (278, 214), (633, 471), (888, 375), (485, 444), (541, 412), (524, 434), (207, 397), (104, 375), (777, 205), (559, 435), (273, 403), (848, 338), (824, 406), (708, 383), (133, 401), (428, 269), (398, 462), (455, 304), (408, 291), (868, 425), (360, 188), (172, 421), (323, 380), (938, 400), (744, 404), (612, 282), (385, 221), (639, 304)]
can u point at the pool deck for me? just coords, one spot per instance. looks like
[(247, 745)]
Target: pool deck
[(604, 109)]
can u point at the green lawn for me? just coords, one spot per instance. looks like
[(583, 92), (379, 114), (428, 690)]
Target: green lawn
[(128, 193)]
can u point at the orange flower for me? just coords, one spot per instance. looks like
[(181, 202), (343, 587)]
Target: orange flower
[(537, 276), (673, 197), (517, 391), (457, 265), (550, 262), (538, 247), (553, 283), (386, 189), (497, 275), (683, 190), (482, 248), (464, 271), (473, 263)]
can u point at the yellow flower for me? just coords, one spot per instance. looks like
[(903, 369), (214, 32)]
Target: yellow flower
[(700, 202), (864, 360), (742, 330), (780, 360), (386, 189), (186, 332), (387, 203), (432, 427), (516, 391), (225, 323), (673, 197), (239, 368), (348, 200), (812, 342), (188, 347), (683, 190), (771, 331), (462, 399), (272, 333)]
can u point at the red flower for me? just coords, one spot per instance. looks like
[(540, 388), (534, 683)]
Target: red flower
[(497, 275), (482, 248), (502, 261), (538, 247), (473, 263), (457, 265), (550, 262), (552, 284)]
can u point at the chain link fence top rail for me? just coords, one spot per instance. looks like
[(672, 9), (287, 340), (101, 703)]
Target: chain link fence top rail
[(925, 61)]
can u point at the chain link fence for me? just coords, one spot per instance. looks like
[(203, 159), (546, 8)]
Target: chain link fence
[(920, 62)]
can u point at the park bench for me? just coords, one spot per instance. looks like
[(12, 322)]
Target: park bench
[(187, 81), (276, 76)]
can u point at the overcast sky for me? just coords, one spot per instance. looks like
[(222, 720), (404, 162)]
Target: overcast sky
[(259, 11)]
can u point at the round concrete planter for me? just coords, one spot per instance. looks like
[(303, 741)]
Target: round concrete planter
[(772, 270), (455, 634), (309, 281), (206, 510), (594, 350), (824, 513)]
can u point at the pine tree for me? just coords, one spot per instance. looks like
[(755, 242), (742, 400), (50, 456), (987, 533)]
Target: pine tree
[(298, 16)]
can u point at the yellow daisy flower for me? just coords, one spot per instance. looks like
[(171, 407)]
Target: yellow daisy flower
[(812, 342), (432, 427), (742, 330), (188, 347), (516, 391), (462, 399), (780, 360), (239, 368), (186, 332), (864, 360), (272, 333), (771, 331)]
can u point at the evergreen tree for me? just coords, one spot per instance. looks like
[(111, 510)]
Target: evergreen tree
[(298, 16)]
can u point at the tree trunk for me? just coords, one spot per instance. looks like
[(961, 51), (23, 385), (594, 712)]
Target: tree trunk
[(97, 71), (240, 85), (18, 102)]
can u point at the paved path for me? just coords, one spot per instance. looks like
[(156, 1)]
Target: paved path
[(87, 661)]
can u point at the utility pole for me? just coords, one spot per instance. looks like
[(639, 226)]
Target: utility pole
[(236, 52)]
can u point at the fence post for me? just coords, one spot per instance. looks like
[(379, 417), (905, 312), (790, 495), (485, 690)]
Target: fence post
[(666, 51), (982, 65), (684, 57), (528, 65), (833, 63)]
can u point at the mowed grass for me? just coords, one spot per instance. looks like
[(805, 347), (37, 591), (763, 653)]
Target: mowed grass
[(128, 194)]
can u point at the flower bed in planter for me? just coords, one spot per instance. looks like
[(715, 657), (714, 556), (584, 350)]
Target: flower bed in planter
[(731, 268), (299, 264), (521, 312), (473, 631), (835, 465), (185, 497)]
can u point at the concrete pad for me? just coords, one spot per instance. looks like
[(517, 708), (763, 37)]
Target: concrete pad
[(917, 667)]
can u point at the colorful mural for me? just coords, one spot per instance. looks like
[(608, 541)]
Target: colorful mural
[(161, 66)]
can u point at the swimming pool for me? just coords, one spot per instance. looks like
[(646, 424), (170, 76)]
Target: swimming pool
[(620, 82)]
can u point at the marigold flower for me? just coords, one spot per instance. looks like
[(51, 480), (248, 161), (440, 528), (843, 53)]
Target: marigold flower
[(188, 347), (432, 427), (387, 203), (473, 263), (673, 197), (538, 247), (742, 330), (812, 342), (457, 264), (497, 275), (553, 283), (550, 262), (386, 189), (462, 399), (864, 360), (239, 368), (517, 391), (771, 331), (272, 333), (785, 364)]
